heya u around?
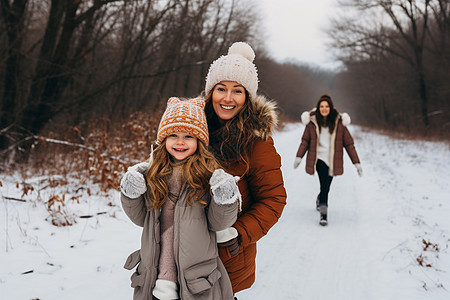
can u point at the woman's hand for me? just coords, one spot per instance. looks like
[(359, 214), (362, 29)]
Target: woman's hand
[(297, 162), (359, 169), (232, 245), (228, 238)]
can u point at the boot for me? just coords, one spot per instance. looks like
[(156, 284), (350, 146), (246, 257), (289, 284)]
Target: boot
[(323, 215)]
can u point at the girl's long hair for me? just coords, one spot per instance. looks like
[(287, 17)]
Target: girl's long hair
[(237, 131), (196, 172), (330, 120)]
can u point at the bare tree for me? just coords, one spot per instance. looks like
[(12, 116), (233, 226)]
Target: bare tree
[(404, 35), (54, 68), (72, 60), (13, 16)]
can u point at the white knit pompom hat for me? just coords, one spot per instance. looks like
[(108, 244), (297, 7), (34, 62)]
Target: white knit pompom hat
[(237, 66)]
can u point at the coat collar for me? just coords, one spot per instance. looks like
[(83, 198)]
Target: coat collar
[(260, 124), (309, 116), (265, 116)]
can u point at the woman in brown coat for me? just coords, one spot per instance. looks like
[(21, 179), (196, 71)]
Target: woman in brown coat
[(324, 138), (240, 123)]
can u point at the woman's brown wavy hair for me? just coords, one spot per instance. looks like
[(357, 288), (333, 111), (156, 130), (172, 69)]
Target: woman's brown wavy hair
[(196, 172), (243, 137)]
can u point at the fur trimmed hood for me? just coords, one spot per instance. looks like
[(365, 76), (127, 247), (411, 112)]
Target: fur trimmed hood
[(260, 123), (265, 116), (307, 116)]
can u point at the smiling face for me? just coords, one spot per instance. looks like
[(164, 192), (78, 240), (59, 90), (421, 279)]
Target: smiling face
[(181, 145), (228, 99), (324, 109)]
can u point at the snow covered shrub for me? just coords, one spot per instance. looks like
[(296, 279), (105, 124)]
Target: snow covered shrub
[(59, 214)]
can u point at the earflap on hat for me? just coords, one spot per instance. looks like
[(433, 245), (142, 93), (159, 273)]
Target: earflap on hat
[(173, 101), (200, 102)]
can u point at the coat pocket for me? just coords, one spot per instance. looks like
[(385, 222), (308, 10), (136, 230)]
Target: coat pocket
[(133, 259), (202, 276), (138, 280)]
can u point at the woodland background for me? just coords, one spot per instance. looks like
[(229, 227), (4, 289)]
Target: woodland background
[(83, 83)]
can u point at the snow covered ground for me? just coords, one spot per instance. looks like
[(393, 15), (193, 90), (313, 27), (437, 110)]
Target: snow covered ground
[(388, 235)]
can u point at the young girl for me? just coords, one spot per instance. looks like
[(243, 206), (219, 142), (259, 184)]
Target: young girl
[(179, 258)]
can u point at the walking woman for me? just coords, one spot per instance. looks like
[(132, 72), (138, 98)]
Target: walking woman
[(324, 138), (240, 124)]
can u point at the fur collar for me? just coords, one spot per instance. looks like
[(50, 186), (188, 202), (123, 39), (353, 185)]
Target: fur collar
[(308, 116), (265, 117), (260, 124)]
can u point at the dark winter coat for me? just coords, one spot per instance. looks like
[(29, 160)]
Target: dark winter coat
[(263, 196), (340, 139), (201, 273)]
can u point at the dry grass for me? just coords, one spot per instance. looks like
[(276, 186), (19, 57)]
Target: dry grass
[(98, 156), (101, 155)]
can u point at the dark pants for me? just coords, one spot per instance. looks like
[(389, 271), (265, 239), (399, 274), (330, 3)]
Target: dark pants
[(325, 182)]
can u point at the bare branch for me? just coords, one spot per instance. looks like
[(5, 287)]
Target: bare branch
[(12, 198)]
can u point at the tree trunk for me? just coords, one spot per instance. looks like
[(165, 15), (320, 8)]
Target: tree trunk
[(31, 120), (13, 16)]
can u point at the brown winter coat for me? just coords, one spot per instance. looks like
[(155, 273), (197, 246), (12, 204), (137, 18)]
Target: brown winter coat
[(201, 274), (263, 197), (340, 138)]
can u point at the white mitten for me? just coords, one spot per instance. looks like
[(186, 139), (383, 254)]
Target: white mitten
[(165, 289), (226, 234), (224, 187), (133, 183), (359, 169), (141, 167), (297, 162)]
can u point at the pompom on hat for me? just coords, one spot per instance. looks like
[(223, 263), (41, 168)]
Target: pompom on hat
[(186, 116), (236, 66)]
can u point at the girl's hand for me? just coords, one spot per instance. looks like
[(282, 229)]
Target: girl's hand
[(133, 183), (140, 167), (224, 187)]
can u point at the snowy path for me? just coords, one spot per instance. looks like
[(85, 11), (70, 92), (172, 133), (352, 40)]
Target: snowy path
[(352, 258), (369, 250)]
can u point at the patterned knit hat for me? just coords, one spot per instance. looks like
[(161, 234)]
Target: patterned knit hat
[(186, 116), (236, 66)]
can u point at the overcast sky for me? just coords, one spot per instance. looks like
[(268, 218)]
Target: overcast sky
[(294, 29)]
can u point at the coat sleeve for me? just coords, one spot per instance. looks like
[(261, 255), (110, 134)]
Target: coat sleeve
[(221, 216), (350, 146), (135, 209), (267, 192), (306, 139)]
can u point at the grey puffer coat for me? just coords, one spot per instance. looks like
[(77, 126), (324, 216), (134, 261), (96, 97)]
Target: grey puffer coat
[(201, 273)]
